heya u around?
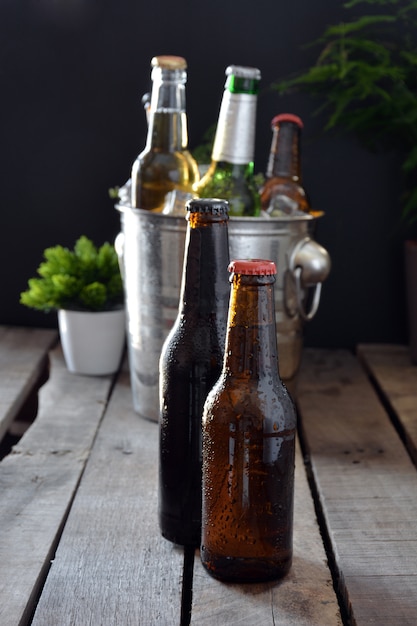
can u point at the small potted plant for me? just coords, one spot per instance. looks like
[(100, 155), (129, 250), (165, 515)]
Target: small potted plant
[(85, 286)]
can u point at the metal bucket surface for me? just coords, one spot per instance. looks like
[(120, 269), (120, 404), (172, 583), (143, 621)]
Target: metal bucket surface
[(151, 258)]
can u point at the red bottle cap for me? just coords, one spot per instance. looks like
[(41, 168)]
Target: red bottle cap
[(253, 267), (287, 117)]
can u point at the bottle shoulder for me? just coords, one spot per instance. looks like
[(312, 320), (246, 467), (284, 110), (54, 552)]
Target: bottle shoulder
[(219, 170), (186, 349), (265, 400), (156, 173), (282, 183), (277, 189), (235, 184), (151, 157), (194, 332)]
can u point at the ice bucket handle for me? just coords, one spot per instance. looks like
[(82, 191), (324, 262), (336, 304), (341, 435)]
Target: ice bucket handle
[(299, 295), (309, 264), (119, 245)]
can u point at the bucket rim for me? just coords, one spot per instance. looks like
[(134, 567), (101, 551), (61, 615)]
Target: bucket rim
[(306, 217)]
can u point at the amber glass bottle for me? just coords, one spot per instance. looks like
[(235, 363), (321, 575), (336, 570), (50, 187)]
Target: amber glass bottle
[(230, 174), (283, 193), (164, 172), (190, 364), (249, 424)]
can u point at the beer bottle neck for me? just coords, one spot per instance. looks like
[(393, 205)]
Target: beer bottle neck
[(251, 345), (167, 129), (284, 157), (205, 287), (234, 140)]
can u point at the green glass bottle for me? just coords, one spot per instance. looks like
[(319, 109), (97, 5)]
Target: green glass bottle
[(230, 175)]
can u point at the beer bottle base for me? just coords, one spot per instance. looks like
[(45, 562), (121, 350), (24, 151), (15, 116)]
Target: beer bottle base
[(245, 570)]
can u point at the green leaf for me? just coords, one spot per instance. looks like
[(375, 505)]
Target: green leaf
[(114, 287), (59, 260), (40, 295), (114, 193), (85, 250), (93, 296), (107, 261)]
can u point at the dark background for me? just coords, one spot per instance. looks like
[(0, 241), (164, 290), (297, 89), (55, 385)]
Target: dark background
[(72, 75)]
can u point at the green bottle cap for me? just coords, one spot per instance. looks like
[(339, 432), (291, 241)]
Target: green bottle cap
[(242, 79)]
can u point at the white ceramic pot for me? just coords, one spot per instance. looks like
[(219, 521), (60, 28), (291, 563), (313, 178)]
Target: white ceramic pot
[(92, 343)]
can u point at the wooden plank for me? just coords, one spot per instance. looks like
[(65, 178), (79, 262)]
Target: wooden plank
[(396, 377), (112, 566), (38, 480), (23, 356), (304, 598), (367, 486)]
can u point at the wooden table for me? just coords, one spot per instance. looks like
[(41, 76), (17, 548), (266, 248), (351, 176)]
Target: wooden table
[(79, 539)]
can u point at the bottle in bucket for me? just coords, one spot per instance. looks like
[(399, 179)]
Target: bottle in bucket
[(283, 193), (164, 172), (190, 363), (249, 425), (230, 174)]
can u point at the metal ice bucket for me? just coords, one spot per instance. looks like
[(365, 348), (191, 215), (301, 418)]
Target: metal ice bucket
[(151, 250)]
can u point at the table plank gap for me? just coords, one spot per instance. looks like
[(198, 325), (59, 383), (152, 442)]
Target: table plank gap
[(112, 566), (187, 586), (321, 522), (395, 378), (23, 359), (366, 483), (38, 481)]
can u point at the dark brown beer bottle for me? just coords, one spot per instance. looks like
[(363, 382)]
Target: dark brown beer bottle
[(249, 424), (283, 193), (190, 364)]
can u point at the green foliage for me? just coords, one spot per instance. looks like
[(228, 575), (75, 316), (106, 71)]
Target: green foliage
[(114, 193), (365, 77), (202, 152), (86, 278)]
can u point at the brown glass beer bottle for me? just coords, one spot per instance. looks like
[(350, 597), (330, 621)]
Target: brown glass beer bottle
[(249, 425), (283, 194), (190, 364)]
